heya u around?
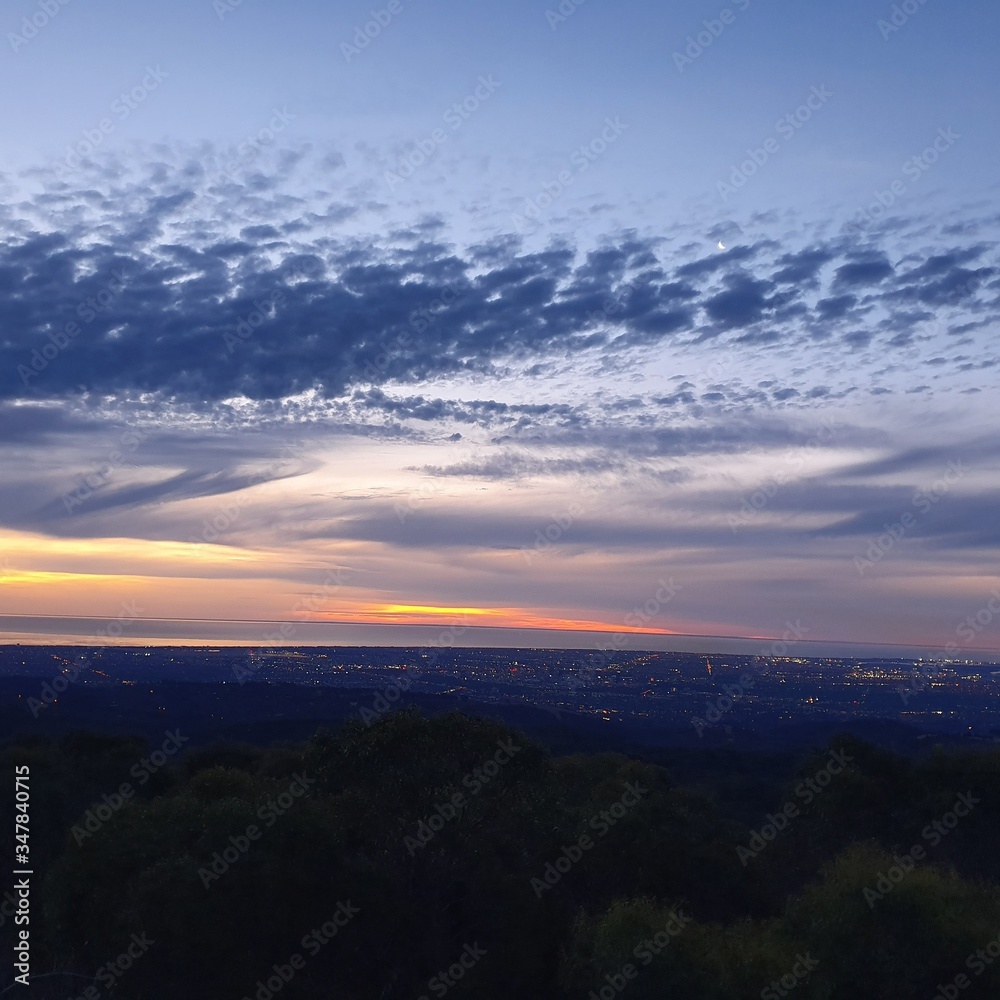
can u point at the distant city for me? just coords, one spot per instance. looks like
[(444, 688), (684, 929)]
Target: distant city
[(649, 692)]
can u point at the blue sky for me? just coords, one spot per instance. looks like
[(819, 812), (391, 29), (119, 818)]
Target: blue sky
[(396, 309), (228, 68)]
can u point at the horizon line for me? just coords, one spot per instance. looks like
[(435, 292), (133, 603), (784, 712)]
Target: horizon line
[(443, 625)]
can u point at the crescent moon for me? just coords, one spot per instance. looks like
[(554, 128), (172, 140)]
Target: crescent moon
[(722, 246)]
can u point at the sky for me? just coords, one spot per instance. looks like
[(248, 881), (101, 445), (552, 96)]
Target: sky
[(541, 322)]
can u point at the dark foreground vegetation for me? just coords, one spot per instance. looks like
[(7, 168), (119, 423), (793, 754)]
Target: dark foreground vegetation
[(423, 857)]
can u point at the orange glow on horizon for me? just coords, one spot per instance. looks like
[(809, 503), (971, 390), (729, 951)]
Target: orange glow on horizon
[(175, 580), (418, 614), (49, 578)]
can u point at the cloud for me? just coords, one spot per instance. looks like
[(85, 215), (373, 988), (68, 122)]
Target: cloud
[(869, 270), (273, 299), (509, 466), (743, 303), (801, 267), (835, 307)]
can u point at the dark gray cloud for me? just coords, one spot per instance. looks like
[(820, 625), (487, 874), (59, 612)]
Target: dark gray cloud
[(925, 517), (869, 270), (36, 424), (835, 307), (131, 290), (183, 486), (976, 453), (802, 267), (508, 466), (428, 528), (744, 302)]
